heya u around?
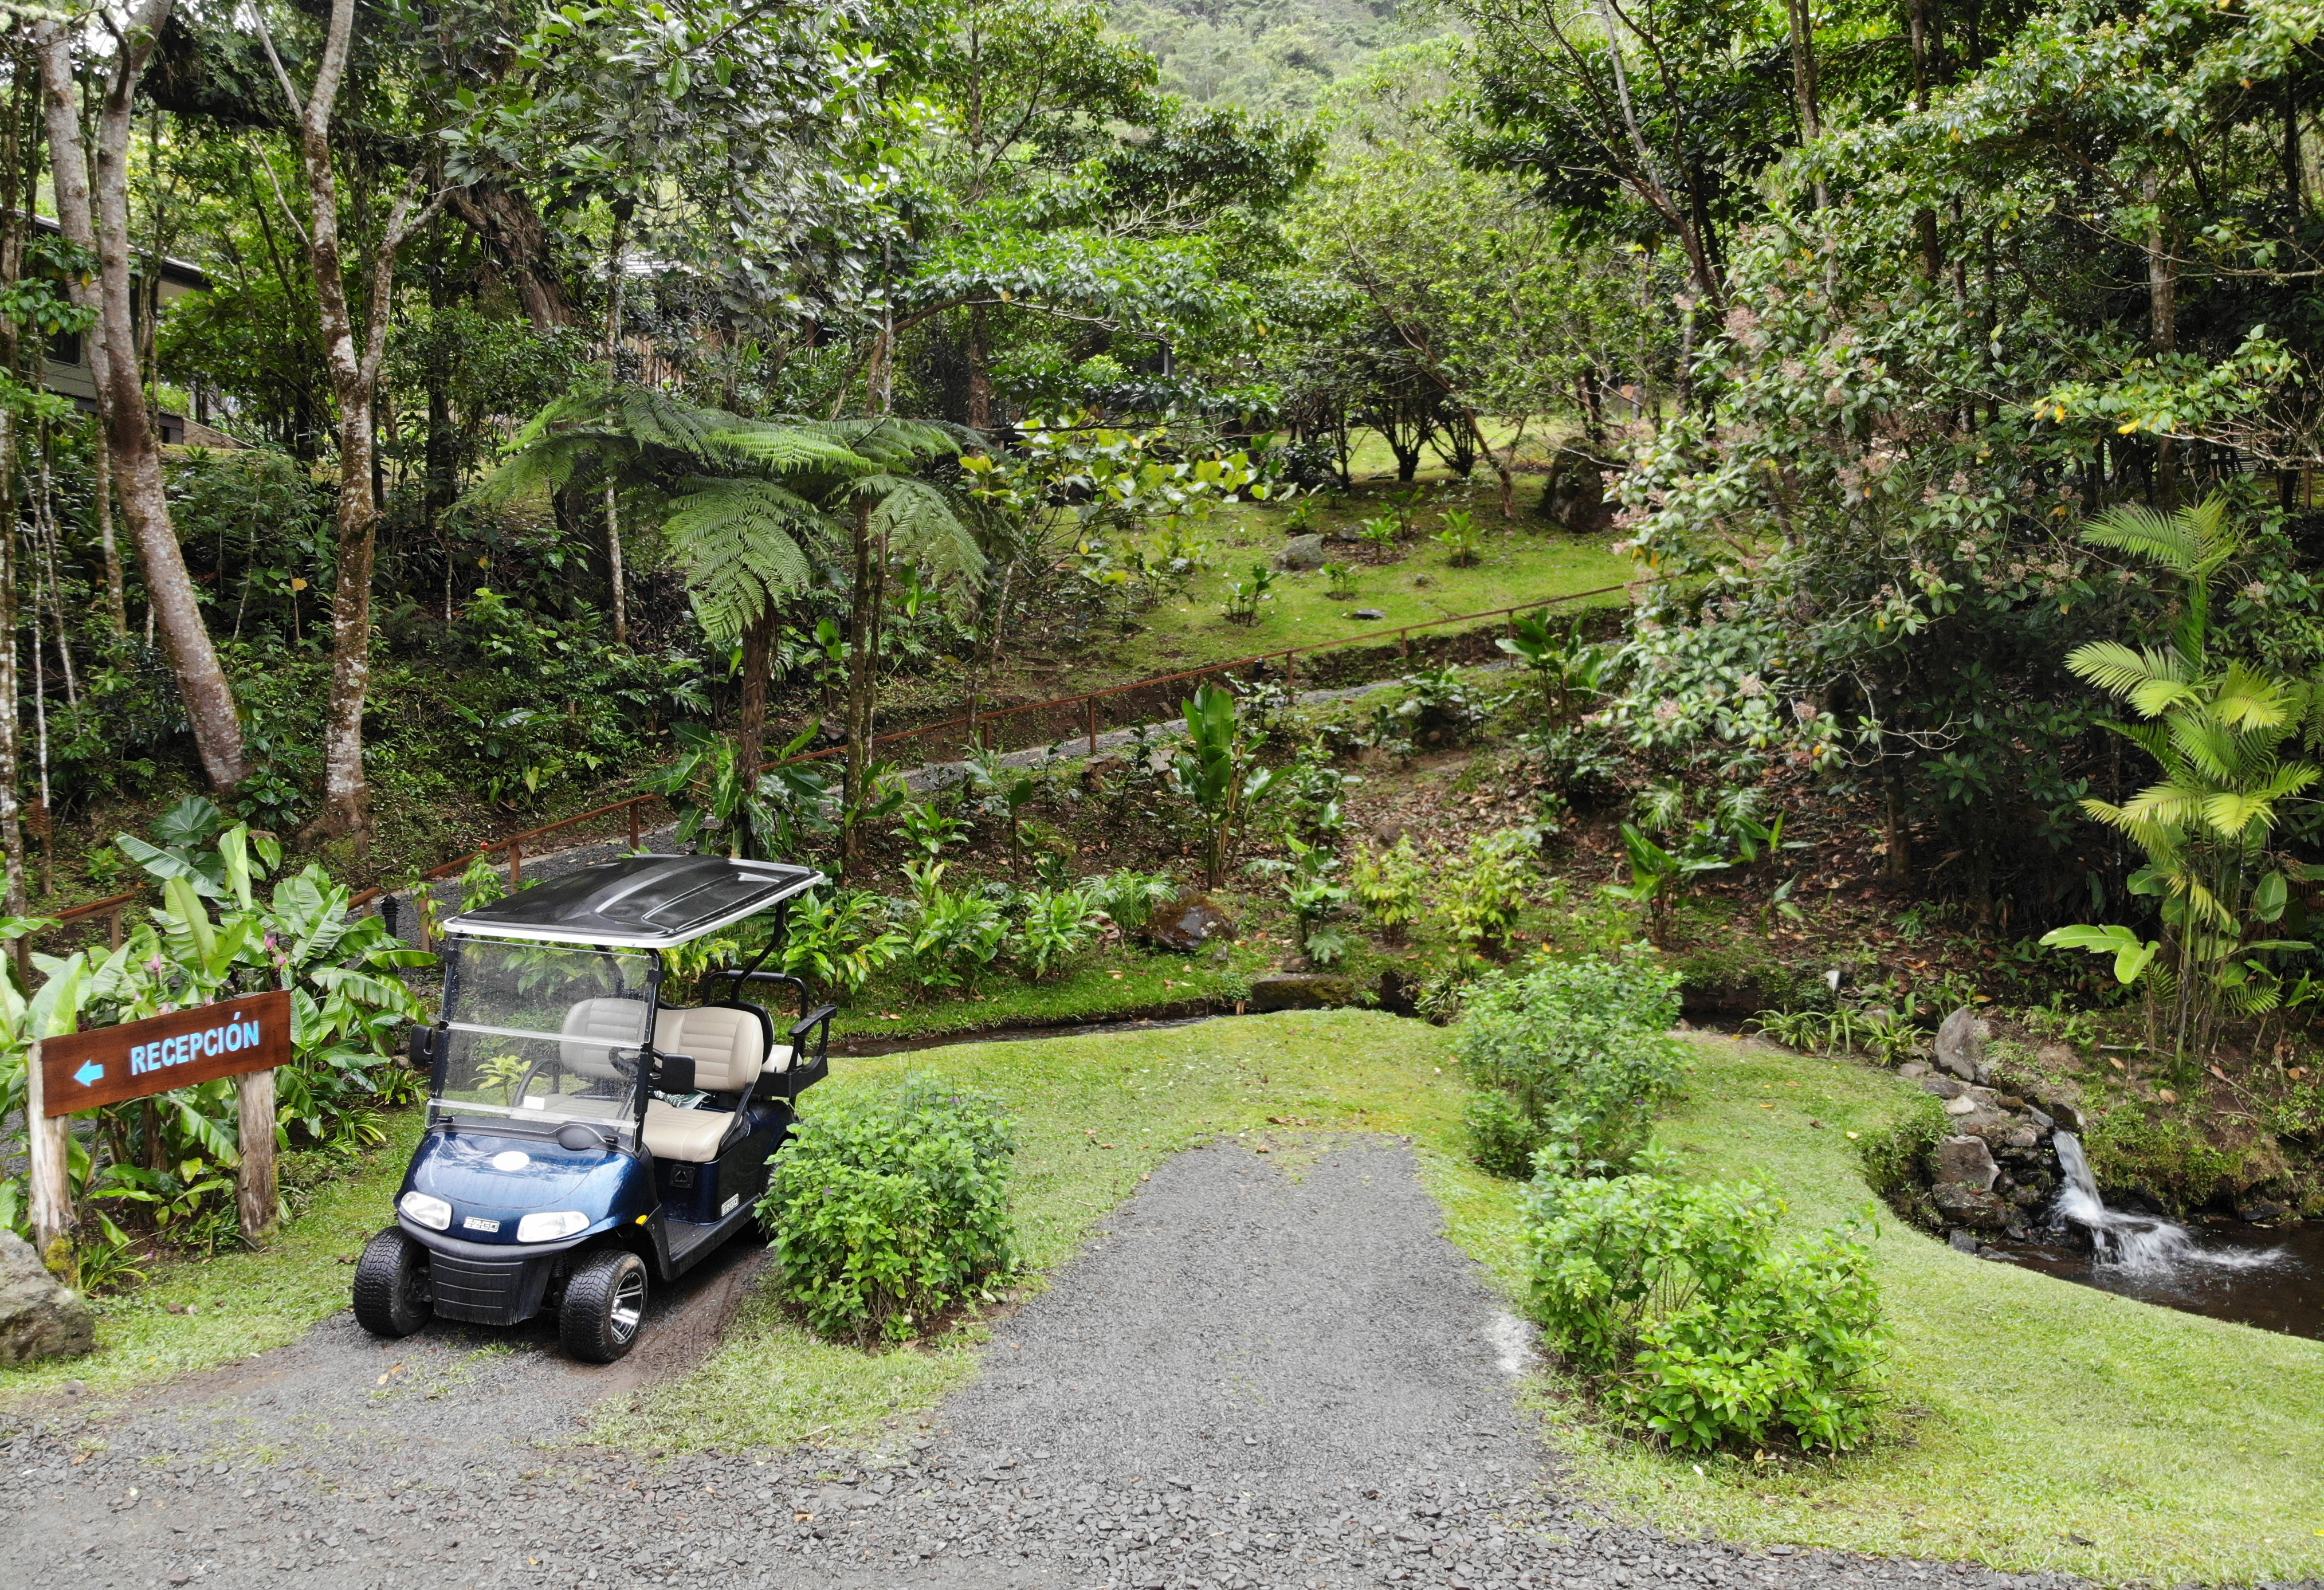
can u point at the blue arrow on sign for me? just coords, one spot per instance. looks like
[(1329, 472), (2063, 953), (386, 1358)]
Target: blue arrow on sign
[(89, 1074)]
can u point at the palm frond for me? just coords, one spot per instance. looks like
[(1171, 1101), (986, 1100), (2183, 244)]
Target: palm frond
[(2250, 700), (2192, 542), (2122, 670)]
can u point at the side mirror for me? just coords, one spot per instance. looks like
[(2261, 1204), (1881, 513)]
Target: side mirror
[(421, 1049), (675, 1073)]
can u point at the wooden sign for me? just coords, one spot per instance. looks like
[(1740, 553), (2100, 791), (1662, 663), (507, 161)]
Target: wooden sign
[(110, 1064)]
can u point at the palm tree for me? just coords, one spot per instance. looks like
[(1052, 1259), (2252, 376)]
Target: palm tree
[(2217, 733), (750, 507)]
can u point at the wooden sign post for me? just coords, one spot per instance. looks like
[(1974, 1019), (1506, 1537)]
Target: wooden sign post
[(244, 1039)]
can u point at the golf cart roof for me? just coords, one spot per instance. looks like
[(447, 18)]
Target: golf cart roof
[(639, 902)]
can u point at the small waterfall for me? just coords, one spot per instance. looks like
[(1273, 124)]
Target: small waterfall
[(2138, 1244)]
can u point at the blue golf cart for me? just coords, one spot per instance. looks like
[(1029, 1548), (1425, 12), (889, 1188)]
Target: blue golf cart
[(584, 1139)]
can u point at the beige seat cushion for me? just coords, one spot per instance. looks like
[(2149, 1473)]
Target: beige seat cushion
[(620, 1023), (728, 1046), (672, 1134)]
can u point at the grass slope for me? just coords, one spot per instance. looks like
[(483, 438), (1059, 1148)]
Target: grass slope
[(1521, 563), (236, 1305), (2030, 1412)]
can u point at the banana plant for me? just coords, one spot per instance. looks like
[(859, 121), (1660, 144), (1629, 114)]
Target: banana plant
[(1568, 667), (1218, 771), (1658, 878)]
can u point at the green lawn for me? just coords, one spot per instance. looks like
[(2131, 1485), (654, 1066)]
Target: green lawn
[(2028, 1411), (1522, 562), (237, 1305), (1110, 982)]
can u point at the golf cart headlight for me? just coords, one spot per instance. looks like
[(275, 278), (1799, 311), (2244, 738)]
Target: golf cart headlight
[(434, 1214), (548, 1229)]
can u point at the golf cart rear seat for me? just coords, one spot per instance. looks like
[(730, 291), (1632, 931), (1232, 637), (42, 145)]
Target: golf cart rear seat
[(729, 1048)]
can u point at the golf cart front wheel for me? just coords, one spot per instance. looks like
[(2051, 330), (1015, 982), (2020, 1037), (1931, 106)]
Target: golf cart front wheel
[(604, 1306), (392, 1295)]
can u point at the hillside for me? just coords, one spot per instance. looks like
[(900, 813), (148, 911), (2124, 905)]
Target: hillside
[(1264, 54)]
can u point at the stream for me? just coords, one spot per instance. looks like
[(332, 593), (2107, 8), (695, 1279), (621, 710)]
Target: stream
[(2265, 1276)]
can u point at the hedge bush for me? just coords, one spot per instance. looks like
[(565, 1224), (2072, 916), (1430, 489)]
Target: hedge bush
[(887, 1209), (1695, 1325), (1570, 1060)]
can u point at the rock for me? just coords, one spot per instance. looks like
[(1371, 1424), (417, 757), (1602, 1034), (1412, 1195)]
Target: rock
[(2057, 1057), (1301, 991), (2068, 1118), (1973, 1207), (38, 1318), (1912, 1069), (1367, 613), (1963, 1241), (1966, 1161), (1960, 1045), (1963, 1105), (2260, 1212), (1303, 552), (2023, 1137), (1942, 1086), (1186, 924)]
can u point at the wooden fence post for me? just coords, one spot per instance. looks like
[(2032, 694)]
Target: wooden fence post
[(1089, 715), (45, 1143), (516, 864), (254, 1186)]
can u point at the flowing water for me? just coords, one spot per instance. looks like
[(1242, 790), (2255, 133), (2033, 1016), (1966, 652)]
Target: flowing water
[(2252, 1274)]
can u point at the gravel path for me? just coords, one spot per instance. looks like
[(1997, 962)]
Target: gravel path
[(1269, 1370)]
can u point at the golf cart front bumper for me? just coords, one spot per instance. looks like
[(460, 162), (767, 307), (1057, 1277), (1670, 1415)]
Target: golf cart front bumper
[(485, 1283)]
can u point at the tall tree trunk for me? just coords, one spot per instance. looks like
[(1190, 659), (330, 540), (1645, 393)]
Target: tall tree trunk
[(1924, 220), (863, 680), (506, 219), (2162, 310), (758, 678), (980, 371), (614, 276), (99, 221), (354, 367), (116, 582), (12, 817), (1804, 86)]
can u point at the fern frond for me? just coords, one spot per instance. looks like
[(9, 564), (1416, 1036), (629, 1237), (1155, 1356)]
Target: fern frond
[(921, 527), (739, 545)]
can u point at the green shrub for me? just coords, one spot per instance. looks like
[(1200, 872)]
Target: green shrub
[(1059, 924), (1570, 1060), (1130, 897), (1483, 891), (886, 1210), (1695, 1327), (950, 939), (1893, 1155), (1391, 885)]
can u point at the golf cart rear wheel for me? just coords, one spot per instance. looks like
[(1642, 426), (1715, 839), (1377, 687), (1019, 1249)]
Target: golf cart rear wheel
[(604, 1306), (391, 1285)]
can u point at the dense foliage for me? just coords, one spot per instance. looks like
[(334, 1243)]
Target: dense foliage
[(1697, 1326), (1570, 1061), (889, 1208)]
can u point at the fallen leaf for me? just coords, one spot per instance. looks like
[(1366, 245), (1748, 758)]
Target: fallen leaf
[(2215, 1071), (1851, 1137), (2166, 1096)]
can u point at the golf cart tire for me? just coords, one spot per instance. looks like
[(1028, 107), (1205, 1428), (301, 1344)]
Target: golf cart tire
[(604, 1311), (391, 1285)]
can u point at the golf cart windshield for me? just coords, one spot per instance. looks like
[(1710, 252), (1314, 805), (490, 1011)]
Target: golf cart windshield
[(546, 1033)]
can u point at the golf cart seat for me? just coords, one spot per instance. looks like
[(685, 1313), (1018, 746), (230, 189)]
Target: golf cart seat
[(727, 1043)]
